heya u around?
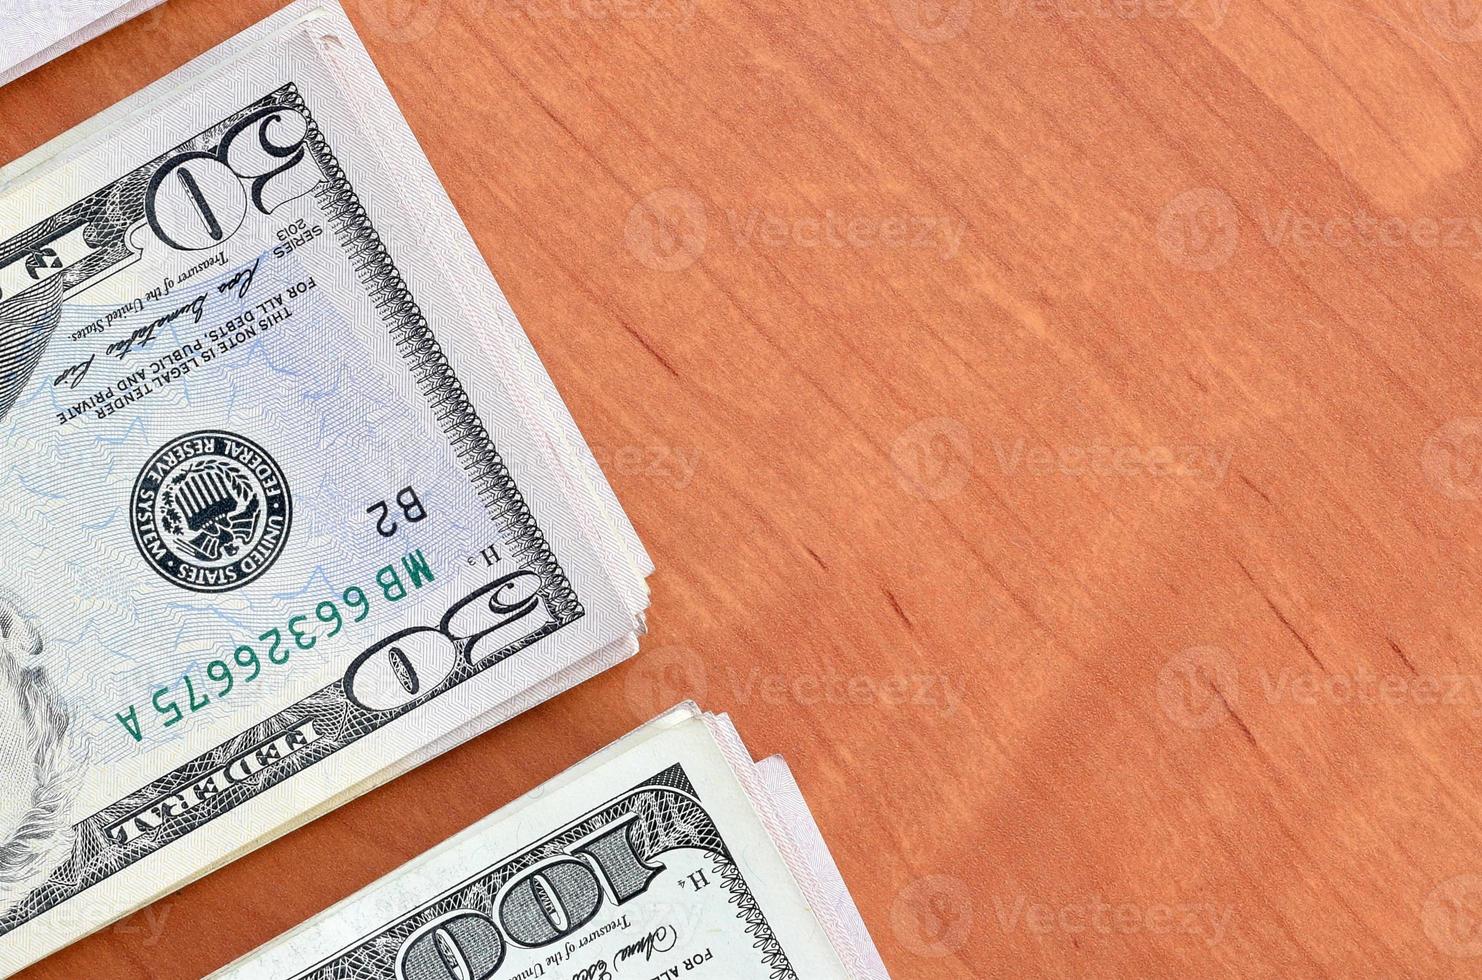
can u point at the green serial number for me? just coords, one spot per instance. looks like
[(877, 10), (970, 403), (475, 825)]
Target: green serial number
[(198, 688)]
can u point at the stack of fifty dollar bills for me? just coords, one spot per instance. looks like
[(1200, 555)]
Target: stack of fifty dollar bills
[(289, 506)]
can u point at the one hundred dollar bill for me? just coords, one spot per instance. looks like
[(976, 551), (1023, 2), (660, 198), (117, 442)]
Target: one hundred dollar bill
[(667, 855), (287, 503)]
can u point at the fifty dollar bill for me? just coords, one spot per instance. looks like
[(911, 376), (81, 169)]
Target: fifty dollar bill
[(287, 502)]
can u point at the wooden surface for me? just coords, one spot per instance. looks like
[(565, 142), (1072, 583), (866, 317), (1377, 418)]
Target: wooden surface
[(1057, 434)]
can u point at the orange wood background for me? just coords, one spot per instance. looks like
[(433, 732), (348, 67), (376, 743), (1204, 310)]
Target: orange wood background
[(1056, 425)]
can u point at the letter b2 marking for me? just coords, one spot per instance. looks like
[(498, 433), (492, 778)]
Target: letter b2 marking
[(407, 502)]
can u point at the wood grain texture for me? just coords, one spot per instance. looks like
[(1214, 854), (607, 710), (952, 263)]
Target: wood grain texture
[(1056, 426)]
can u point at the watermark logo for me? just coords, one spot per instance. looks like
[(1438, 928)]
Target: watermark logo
[(1197, 686), (155, 22), (1204, 920), (831, 229), (1195, 463), (1199, 229), (674, 465), (1455, 20), (680, 12), (1452, 459), (938, 692), (146, 927), (1290, 228), (933, 916), (1212, 12), (399, 21), (667, 229), (662, 678), (933, 458), (1452, 916), (932, 21)]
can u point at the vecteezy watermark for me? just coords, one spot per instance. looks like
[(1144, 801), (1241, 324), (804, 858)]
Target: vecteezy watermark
[(1290, 228), (1197, 688), (933, 459), (399, 21), (1452, 916), (667, 229), (669, 464), (1452, 459), (938, 234), (932, 21), (1204, 920), (597, 11), (1459, 21), (661, 678), (1210, 11), (146, 927), (1365, 687), (933, 916), (940, 692), (1199, 229), (1204, 464)]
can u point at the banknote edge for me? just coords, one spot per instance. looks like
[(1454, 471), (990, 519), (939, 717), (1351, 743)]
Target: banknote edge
[(410, 329), (673, 779)]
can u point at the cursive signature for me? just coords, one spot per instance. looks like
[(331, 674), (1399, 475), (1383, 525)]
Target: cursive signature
[(240, 282), (660, 940)]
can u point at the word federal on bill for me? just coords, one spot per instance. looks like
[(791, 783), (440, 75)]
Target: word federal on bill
[(288, 504), (668, 854)]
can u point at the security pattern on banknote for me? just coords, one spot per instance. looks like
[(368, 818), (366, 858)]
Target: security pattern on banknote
[(278, 513), (604, 874)]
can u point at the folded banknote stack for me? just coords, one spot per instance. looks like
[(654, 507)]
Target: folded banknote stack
[(668, 854), (288, 503)]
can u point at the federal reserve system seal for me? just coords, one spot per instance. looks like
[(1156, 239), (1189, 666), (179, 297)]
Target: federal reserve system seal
[(211, 511)]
